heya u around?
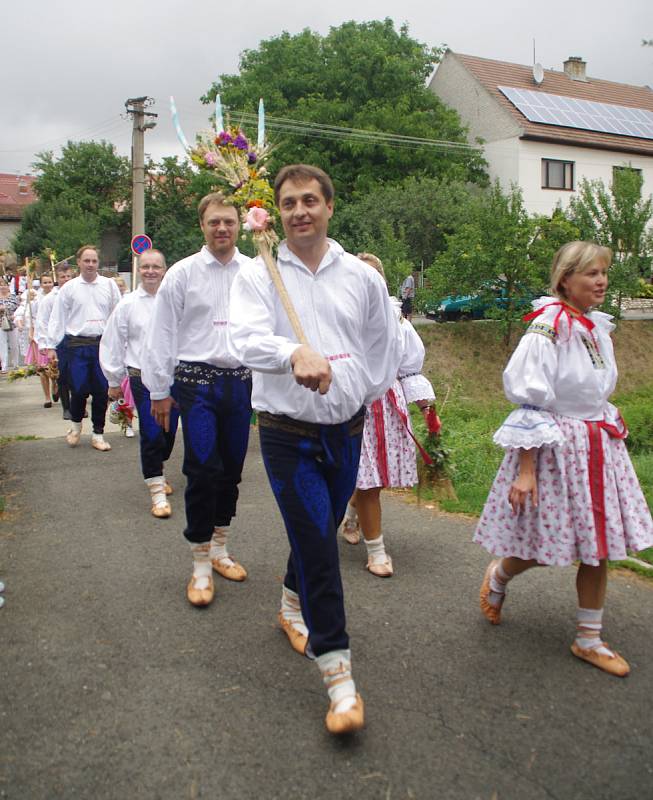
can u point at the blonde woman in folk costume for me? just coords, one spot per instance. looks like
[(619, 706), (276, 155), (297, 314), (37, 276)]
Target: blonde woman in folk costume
[(388, 450), (566, 490)]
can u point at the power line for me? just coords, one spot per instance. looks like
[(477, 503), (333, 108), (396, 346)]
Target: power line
[(101, 128)]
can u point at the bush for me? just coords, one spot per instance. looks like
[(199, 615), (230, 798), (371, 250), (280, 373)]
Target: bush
[(637, 411), (644, 289)]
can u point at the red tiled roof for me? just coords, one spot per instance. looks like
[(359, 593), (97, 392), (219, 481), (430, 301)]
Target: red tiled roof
[(492, 74), (15, 194)]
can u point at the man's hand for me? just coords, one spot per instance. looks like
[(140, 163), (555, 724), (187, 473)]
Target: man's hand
[(311, 369), (160, 410), (115, 393)]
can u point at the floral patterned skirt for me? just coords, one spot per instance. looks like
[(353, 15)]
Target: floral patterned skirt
[(562, 528), (385, 438)]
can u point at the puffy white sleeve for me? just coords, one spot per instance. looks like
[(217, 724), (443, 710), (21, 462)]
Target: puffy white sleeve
[(529, 381), (41, 327), (383, 340), (252, 320), (113, 345), (160, 344), (415, 385)]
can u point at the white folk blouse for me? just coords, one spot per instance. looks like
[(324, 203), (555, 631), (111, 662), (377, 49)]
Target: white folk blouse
[(124, 336), (562, 365)]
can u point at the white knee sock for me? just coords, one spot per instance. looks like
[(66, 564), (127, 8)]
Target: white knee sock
[(589, 622), (157, 489), (498, 583), (376, 550), (219, 546), (291, 610), (351, 515), (97, 437), (76, 427), (336, 674), (201, 564)]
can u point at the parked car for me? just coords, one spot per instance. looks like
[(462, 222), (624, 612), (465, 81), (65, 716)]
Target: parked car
[(473, 306)]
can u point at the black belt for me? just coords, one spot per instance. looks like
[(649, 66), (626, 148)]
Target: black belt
[(82, 341), (312, 430), (133, 372), (199, 373)]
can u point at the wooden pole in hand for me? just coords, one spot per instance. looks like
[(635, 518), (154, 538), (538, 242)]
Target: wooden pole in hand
[(286, 302)]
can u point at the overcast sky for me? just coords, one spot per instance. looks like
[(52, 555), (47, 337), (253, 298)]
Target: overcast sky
[(69, 65)]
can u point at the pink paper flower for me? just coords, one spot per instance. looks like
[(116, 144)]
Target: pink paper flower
[(257, 219), (210, 159)]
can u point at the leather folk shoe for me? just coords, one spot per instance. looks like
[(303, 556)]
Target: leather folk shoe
[(168, 489), (200, 597), (297, 640), (614, 664), (229, 569), (491, 613), (100, 444), (382, 569), (346, 721), (162, 511), (73, 437)]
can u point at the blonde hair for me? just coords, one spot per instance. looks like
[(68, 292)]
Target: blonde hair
[(575, 257), (214, 198), (80, 252), (374, 262)]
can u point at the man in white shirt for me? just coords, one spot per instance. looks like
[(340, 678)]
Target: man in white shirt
[(64, 274), (78, 319), (121, 355), (187, 347), (310, 440)]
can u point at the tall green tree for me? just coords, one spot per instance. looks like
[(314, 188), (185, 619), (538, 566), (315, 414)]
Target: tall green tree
[(498, 249), (81, 195), (617, 216), (360, 75)]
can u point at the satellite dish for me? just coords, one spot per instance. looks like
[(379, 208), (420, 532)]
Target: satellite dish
[(538, 73)]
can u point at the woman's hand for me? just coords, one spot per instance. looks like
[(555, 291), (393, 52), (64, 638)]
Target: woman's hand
[(526, 483)]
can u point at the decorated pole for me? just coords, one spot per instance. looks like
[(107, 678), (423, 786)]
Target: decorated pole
[(240, 172)]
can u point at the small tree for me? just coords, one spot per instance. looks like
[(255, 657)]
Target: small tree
[(498, 249), (617, 217)]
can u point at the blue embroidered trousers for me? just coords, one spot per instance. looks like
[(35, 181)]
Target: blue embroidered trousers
[(156, 444), (312, 478)]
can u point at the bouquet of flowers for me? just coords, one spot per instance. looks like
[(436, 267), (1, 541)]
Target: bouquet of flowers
[(121, 413), (22, 372)]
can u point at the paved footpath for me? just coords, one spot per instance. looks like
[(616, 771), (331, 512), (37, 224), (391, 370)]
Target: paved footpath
[(112, 686)]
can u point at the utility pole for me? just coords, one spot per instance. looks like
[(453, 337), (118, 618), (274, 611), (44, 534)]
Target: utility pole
[(136, 107)]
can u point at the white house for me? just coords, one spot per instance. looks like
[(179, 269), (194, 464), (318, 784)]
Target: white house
[(545, 130)]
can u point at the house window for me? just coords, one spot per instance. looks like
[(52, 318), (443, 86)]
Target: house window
[(617, 170), (557, 174)]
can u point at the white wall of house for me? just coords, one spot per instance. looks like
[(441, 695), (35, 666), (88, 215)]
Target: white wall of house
[(8, 229), (520, 161)]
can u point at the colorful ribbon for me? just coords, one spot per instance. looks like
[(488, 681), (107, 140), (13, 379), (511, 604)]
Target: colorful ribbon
[(570, 312)]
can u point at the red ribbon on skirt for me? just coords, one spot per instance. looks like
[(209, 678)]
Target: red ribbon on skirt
[(596, 462), (379, 429)]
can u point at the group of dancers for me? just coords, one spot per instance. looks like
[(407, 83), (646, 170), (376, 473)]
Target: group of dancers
[(208, 340)]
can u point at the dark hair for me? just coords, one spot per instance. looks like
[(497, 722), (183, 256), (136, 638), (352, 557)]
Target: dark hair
[(302, 173), (80, 252), (216, 198)]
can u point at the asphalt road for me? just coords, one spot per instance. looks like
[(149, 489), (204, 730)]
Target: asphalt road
[(112, 686)]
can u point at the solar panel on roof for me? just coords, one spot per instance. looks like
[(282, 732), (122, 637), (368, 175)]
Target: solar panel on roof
[(570, 112)]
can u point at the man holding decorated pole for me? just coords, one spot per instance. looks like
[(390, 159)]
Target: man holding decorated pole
[(323, 341), (78, 319), (121, 356), (187, 348)]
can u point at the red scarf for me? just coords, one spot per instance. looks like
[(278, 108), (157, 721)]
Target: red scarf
[(571, 314)]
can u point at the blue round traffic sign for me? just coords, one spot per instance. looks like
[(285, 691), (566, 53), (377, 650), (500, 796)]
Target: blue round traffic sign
[(141, 243)]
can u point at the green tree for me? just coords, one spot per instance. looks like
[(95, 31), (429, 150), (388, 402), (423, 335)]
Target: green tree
[(81, 195), (360, 75), (618, 217), (499, 249), (405, 223)]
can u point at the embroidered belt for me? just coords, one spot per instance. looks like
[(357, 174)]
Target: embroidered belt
[(82, 341), (596, 462), (200, 374), (312, 430), (133, 372)]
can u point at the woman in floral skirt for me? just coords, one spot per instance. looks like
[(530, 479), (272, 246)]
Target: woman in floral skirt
[(566, 490)]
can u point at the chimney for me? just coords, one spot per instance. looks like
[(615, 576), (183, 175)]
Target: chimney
[(575, 67)]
